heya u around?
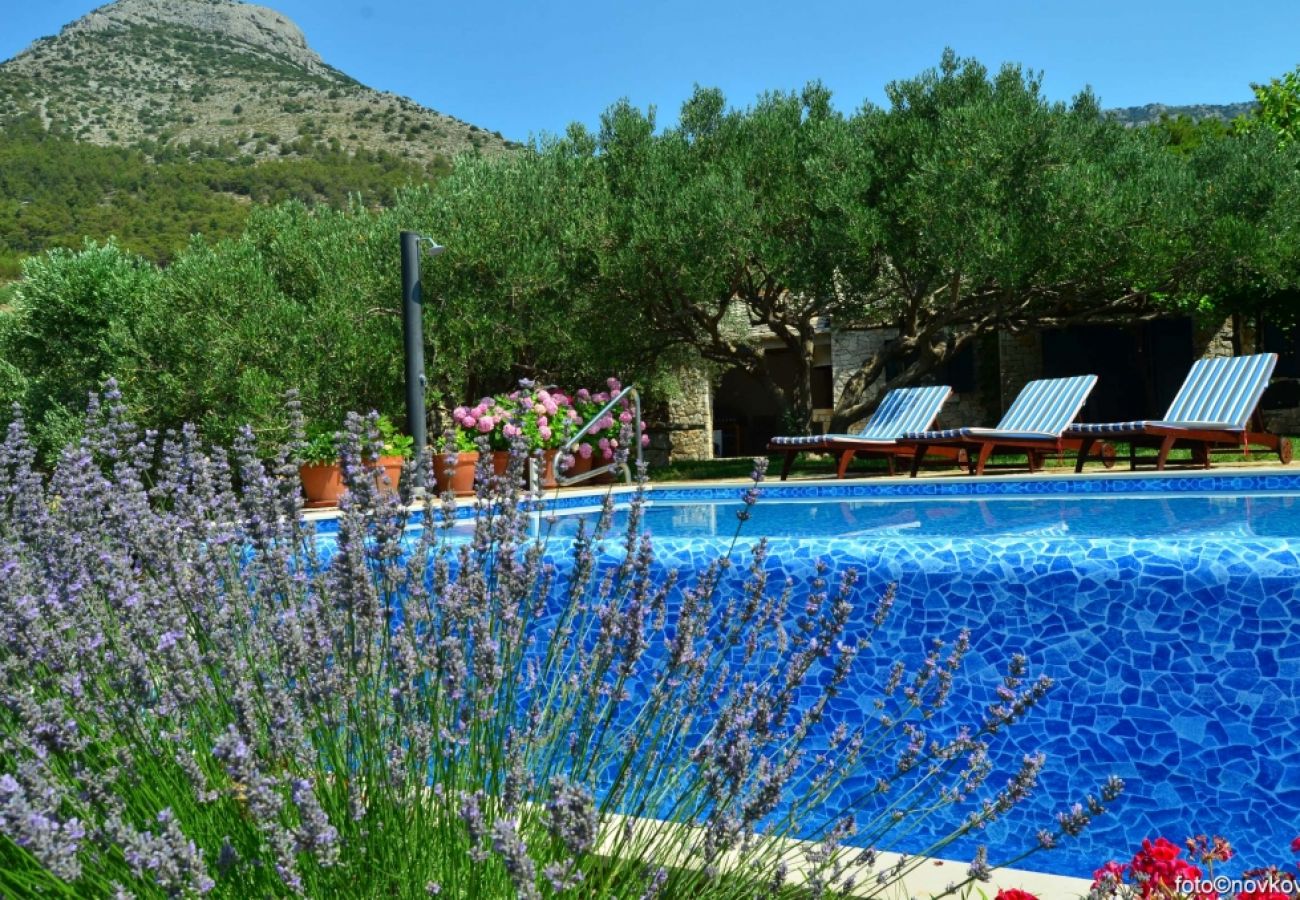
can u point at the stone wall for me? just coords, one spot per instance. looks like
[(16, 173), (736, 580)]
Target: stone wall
[(1021, 358), (850, 348), (687, 430), (1212, 341)]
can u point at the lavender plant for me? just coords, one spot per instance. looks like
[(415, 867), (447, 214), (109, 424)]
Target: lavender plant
[(200, 694)]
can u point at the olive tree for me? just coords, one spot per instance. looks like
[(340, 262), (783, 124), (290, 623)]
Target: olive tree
[(731, 221), (997, 210)]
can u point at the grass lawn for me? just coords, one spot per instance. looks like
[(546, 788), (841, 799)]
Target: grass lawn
[(823, 465)]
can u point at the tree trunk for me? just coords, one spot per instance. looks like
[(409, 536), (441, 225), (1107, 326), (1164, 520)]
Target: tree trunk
[(800, 398), (930, 352)]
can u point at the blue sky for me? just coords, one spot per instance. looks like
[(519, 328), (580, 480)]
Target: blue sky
[(523, 68)]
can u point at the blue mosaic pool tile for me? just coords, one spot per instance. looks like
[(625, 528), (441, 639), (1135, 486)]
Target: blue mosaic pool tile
[(1177, 665)]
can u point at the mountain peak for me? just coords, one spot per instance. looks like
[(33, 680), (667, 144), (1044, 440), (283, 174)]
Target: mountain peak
[(155, 73), (258, 28)]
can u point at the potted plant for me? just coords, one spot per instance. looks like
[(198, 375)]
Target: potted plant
[(455, 460), (397, 449), (545, 418), (603, 441), (320, 472)]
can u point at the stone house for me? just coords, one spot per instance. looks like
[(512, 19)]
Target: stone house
[(1140, 366)]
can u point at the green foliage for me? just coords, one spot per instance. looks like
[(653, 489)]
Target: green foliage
[(1185, 134), (1244, 195), (1279, 107), (324, 445), (395, 443), (516, 294), (76, 320), (57, 191), (321, 448), (734, 217), (305, 298)]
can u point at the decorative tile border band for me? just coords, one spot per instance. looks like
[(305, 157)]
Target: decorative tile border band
[(1177, 483)]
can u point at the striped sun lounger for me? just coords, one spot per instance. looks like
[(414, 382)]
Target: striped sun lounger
[(1211, 411), (902, 410), (1035, 423)]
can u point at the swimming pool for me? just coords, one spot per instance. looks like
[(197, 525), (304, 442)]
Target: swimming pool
[(1162, 606)]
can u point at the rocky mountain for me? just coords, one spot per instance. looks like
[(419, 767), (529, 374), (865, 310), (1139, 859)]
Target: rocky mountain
[(1151, 112), (155, 73)]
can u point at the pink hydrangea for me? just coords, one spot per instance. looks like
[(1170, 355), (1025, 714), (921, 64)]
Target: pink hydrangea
[(584, 450)]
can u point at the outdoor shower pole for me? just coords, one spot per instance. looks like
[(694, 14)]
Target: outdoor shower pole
[(413, 337)]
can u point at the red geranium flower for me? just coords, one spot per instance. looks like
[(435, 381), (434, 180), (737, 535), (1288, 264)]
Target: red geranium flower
[(1295, 845), (1159, 870), (1014, 894)]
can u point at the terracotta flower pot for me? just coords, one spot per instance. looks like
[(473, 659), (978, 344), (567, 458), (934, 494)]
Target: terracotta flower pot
[(548, 482), (392, 473), (322, 484), (580, 466), (500, 461), (459, 478)]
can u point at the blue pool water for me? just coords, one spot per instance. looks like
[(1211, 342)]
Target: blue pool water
[(1164, 608), (1167, 619)]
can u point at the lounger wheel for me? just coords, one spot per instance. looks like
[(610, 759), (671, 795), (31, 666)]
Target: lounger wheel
[(1284, 450), (1107, 454)]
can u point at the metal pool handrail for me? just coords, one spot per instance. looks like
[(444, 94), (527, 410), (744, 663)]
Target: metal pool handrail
[(566, 480)]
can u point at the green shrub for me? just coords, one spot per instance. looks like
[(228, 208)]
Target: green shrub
[(73, 323)]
